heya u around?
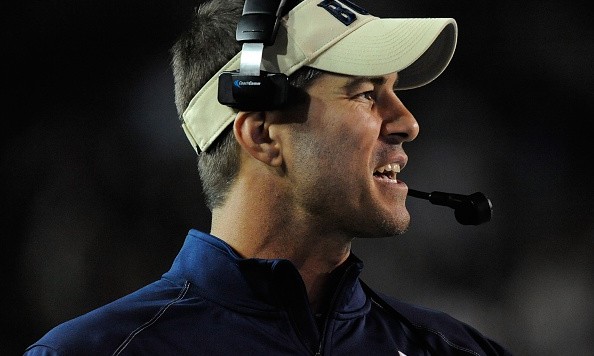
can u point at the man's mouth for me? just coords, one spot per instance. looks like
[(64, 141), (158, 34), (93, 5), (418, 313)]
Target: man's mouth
[(387, 172)]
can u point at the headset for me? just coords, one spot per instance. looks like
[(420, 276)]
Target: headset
[(251, 88)]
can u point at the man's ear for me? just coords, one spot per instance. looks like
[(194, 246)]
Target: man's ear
[(252, 131)]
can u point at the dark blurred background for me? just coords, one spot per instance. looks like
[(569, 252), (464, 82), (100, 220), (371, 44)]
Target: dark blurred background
[(99, 184)]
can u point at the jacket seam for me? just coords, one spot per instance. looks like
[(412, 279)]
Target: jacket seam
[(444, 338), (381, 303), (154, 319)]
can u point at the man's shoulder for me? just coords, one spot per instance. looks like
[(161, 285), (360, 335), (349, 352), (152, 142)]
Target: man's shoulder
[(102, 330), (437, 330), (423, 317)]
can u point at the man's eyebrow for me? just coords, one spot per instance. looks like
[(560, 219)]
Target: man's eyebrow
[(354, 82)]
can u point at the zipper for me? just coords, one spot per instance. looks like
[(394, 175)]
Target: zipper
[(331, 307)]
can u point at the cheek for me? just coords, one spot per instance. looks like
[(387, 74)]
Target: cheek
[(342, 131), (358, 130)]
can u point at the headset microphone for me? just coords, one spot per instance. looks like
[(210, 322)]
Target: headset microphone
[(473, 209)]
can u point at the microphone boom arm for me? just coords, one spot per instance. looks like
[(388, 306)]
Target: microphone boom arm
[(473, 209)]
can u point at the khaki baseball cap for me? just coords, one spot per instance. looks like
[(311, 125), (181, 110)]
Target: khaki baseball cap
[(313, 35)]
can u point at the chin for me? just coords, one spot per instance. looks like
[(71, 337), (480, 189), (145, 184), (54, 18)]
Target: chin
[(387, 227)]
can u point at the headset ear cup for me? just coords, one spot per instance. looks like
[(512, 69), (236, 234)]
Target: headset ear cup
[(268, 91)]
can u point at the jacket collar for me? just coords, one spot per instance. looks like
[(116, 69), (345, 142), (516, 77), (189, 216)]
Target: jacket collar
[(221, 275)]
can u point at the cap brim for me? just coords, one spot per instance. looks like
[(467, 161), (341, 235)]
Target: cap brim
[(418, 49)]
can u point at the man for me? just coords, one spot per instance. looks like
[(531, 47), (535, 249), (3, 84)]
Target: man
[(289, 188)]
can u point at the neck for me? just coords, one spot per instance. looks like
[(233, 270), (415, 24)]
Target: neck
[(283, 234)]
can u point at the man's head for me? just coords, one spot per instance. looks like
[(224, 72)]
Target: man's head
[(328, 36)]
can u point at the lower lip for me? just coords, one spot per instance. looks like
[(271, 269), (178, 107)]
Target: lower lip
[(397, 183)]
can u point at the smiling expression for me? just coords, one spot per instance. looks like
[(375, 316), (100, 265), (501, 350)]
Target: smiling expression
[(343, 161)]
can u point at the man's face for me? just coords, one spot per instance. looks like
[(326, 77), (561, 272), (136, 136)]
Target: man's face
[(340, 158)]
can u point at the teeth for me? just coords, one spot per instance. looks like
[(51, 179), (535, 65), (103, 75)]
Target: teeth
[(390, 167)]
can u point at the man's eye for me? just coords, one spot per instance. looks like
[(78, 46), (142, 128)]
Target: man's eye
[(368, 95)]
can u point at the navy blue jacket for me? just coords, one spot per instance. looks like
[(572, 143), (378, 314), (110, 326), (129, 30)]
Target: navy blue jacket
[(212, 302)]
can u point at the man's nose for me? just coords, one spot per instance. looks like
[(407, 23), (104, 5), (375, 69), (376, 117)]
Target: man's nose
[(399, 123)]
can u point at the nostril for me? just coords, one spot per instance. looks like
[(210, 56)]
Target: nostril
[(395, 138)]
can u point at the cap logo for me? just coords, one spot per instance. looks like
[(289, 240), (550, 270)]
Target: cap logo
[(344, 15)]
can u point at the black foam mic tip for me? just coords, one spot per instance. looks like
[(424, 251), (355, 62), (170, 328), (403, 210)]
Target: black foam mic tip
[(475, 209)]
